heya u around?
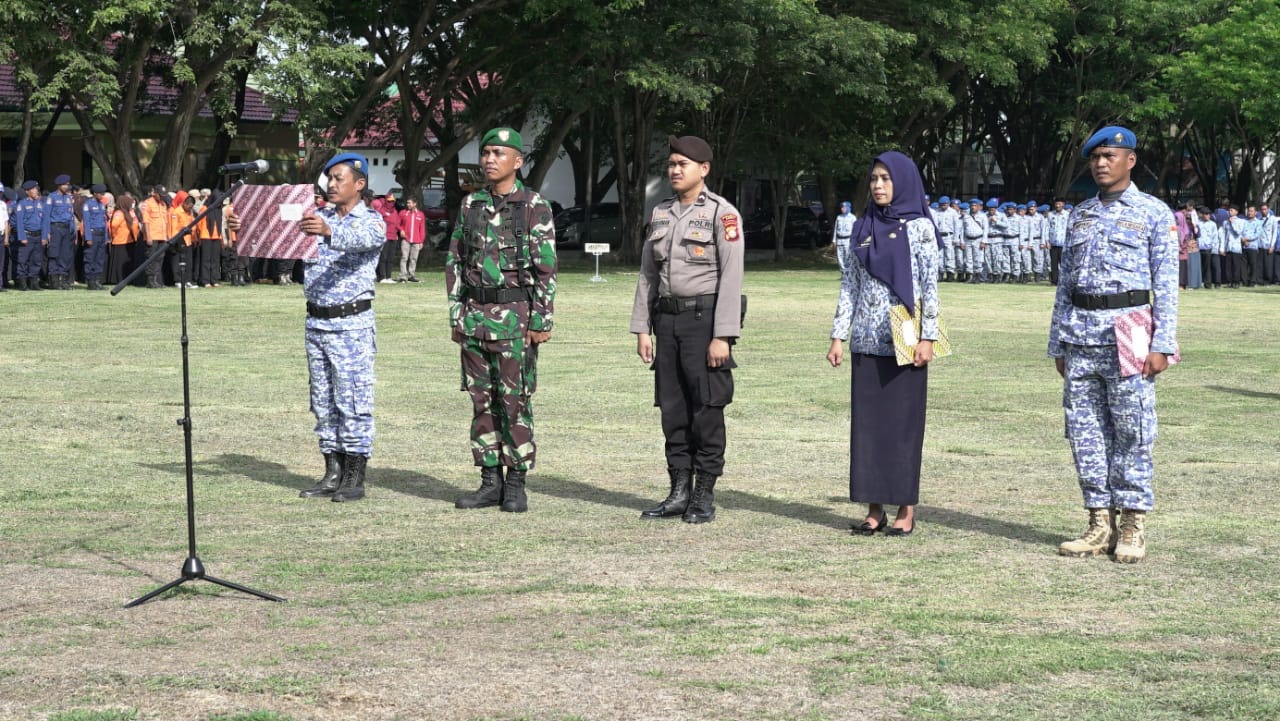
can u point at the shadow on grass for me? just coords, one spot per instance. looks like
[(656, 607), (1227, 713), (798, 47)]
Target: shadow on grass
[(1246, 392), (421, 485), (264, 471)]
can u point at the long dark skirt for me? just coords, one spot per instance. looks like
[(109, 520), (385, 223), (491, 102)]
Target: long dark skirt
[(886, 435)]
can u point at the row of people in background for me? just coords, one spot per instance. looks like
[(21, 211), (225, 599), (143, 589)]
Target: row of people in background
[(1218, 248), (50, 241), (987, 242), (994, 242)]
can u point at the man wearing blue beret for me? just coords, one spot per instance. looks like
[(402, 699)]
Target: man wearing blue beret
[(973, 225), (340, 334), (94, 217), (60, 231), (28, 226), (1120, 256)]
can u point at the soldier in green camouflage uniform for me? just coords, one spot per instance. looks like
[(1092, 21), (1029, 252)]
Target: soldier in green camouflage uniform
[(501, 278)]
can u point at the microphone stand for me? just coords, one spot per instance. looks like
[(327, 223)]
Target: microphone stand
[(192, 568)]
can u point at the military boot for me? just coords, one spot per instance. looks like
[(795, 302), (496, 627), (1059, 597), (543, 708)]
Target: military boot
[(1131, 542), (489, 493), (701, 509), (33, 284), (677, 501), (333, 466), (1098, 538), (352, 486), (513, 497)]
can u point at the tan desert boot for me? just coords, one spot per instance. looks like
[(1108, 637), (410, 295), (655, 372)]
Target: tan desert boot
[(1131, 542), (1097, 539)]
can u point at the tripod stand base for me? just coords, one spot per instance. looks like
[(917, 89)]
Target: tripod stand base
[(193, 570)]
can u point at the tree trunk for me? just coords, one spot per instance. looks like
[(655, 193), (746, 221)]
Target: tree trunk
[(24, 141), (542, 161), (633, 166)]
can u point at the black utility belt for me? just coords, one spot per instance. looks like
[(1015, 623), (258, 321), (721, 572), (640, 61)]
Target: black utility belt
[(676, 304), (54, 222), (1127, 299), (329, 312), (498, 295)]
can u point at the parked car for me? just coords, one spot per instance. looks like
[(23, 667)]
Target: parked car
[(803, 228), (606, 226)]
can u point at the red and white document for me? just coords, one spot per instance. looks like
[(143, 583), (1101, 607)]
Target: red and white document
[(1133, 341), (270, 216)]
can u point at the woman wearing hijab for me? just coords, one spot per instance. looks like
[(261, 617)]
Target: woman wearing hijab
[(893, 260)]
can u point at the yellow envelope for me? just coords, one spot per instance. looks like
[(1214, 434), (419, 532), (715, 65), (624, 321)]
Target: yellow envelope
[(906, 334)]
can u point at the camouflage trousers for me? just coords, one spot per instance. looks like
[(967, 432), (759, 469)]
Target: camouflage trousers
[(501, 376), (342, 379), (1111, 426)]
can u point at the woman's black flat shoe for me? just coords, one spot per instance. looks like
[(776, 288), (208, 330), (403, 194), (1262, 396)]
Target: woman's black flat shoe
[(896, 532), (866, 529)]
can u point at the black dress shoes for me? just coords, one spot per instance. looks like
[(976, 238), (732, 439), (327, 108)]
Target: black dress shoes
[(866, 529)]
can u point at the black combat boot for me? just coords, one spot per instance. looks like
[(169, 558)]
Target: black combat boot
[(352, 487), (700, 508), (333, 466), (34, 284), (678, 500), (513, 497), (489, 493)]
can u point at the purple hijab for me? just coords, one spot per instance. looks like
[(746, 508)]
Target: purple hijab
[(880, 235)]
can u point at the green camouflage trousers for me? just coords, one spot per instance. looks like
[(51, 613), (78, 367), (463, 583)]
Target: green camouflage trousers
[(501, 376)]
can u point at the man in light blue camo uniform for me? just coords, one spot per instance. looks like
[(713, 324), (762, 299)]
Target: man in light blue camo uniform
[(1056, 227), (945, 220), (974, 229), (1120, 255), (841, 233), (1040, 243), (1000, 231), (957, 248)]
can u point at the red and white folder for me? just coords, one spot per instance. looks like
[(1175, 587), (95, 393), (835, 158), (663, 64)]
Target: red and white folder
[(270, 216)]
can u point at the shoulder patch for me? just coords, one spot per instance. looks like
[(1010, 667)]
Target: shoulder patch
[(730, 223)]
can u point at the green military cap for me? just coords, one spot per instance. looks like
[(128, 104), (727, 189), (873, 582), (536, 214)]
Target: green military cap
[(508, 137)]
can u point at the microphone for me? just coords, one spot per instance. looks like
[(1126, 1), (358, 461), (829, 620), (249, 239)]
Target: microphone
[(257, 166)]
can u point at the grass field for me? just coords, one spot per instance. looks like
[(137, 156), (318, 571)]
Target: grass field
[(401, 607)]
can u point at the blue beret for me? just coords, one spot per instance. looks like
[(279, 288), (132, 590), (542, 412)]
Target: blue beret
[(1043, 208), (934, 205), (30, 184), (98, 188), (1022, 206), (358, 162), (945, 200), (975, 201), (993, 203), (1112, 136), (62, 179), (1068, 206)]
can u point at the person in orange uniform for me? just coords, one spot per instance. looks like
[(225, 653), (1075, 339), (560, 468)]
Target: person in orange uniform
[(209, 249), (180, 214), (155, 229), (123, 230)]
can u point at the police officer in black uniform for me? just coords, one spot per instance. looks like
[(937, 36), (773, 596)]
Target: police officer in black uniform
[(689, 295)]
